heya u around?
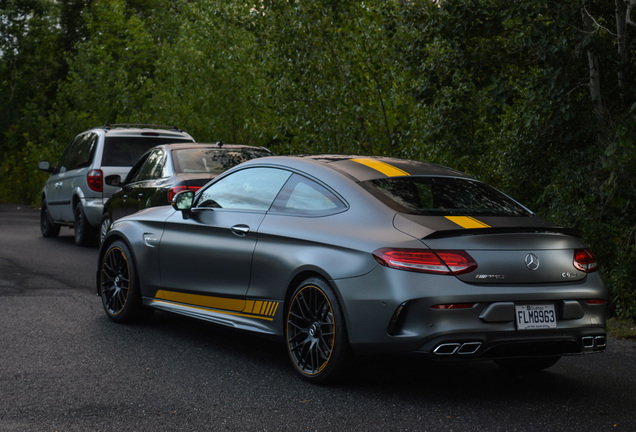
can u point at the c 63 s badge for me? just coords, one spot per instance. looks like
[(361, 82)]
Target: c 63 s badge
[(490, 276)]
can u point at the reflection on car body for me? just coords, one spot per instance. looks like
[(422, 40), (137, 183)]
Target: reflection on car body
[(344, 255)]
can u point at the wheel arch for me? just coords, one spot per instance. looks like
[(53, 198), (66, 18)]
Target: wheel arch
[(108, 241), (298, 279)]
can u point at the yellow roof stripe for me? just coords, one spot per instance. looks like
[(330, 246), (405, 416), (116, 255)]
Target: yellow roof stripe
[(384, 168), (467, 222)]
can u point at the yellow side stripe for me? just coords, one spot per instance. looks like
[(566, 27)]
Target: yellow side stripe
[(384, 168), (256, 307), (467, 222)]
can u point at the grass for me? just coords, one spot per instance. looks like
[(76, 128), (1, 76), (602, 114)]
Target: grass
[(622, 329)]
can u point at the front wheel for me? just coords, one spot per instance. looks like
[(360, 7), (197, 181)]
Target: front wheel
[(315, 332), (119, 286), (527, 364)]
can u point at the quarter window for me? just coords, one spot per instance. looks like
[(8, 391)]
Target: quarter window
[(248, 189), (152, 169), (302, 196)]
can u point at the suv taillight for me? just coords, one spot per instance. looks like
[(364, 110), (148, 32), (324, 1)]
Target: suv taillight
[(176, 189), (95, 180), (584, 260), (443, 262)]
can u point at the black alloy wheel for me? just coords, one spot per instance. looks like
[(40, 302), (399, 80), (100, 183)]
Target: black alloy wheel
[(104, 227), (48, 228), (118, 285), (315, 332)]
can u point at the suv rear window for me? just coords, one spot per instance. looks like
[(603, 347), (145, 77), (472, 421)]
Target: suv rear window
[(443, 196), (124, 151)]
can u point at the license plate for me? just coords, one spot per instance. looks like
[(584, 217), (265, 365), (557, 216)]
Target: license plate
[(531, 317)]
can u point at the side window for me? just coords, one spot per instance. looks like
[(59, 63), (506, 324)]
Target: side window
[(302, 196), (248, 189), (80, 152), (152, 169)]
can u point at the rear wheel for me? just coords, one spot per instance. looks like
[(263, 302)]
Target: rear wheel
[(104, 227), (527, 364), (118, 285), (84, 232), (47, 226), (315, 332)]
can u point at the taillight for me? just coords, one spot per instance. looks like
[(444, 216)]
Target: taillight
[(95, 180), (584, 260), (176, 189), (443, 262)]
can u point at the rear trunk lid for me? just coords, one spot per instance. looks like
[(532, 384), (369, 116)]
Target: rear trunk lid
[(507, 250)]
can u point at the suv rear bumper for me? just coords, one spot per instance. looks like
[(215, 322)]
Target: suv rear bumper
[(93, 210)]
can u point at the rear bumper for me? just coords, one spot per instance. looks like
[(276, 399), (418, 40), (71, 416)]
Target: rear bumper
[(391, 311)]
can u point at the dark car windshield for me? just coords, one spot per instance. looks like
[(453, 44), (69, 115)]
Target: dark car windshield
[(124, 151), (213, 160), (441, 196)]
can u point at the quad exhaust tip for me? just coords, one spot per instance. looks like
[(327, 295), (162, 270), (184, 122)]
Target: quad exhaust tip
[(466, 348), (590, 342)]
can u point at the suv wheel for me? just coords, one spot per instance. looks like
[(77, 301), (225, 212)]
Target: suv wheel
[(84, 232), (47, 226)]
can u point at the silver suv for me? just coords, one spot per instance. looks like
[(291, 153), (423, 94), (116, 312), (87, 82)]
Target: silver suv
[(75, 193)]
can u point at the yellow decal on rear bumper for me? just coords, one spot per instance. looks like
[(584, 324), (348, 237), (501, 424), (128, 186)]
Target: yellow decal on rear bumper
[(467, 222), (384, 168)]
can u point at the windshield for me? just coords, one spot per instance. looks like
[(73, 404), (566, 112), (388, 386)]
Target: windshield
[(442, 196)]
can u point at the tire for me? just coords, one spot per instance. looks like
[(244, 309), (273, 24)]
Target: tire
[(84, 232), (119, 286), (48, 228), (104, 227), (527, 364), (315, 332)]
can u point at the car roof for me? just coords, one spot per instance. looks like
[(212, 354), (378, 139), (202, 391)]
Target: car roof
[(143, 130), (363, 168)]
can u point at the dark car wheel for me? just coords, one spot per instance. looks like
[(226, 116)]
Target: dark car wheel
[(47, 226), (118, 285), (527, 364), (104, 227), (315, 332), (84, 232)]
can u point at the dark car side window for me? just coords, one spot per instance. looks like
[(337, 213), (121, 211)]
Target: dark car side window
[(153, 168), (248, 189), (78, 154), (302, 196)]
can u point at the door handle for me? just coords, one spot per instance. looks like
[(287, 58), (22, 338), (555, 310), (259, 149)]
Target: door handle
[(57, 185), (140, 196), (240, 230)]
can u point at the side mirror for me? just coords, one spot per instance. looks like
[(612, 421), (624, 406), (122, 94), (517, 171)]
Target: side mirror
[(46, 166), (183, 202), (113, 180)]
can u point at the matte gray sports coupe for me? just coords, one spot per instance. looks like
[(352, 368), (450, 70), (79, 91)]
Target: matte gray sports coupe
[(343, 255)]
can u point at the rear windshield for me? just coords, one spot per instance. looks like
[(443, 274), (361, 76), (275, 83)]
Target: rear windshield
[(432, 196), (124, 151), (213, 160)]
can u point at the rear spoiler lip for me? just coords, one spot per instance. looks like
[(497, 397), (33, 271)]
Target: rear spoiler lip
[(503, 230)]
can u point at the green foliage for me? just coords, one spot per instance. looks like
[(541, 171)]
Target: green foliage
[(501, 90)]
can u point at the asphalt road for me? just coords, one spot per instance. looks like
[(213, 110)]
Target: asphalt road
[(64, 366)]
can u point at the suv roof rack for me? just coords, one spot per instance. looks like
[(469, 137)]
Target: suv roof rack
[(140, 125)]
